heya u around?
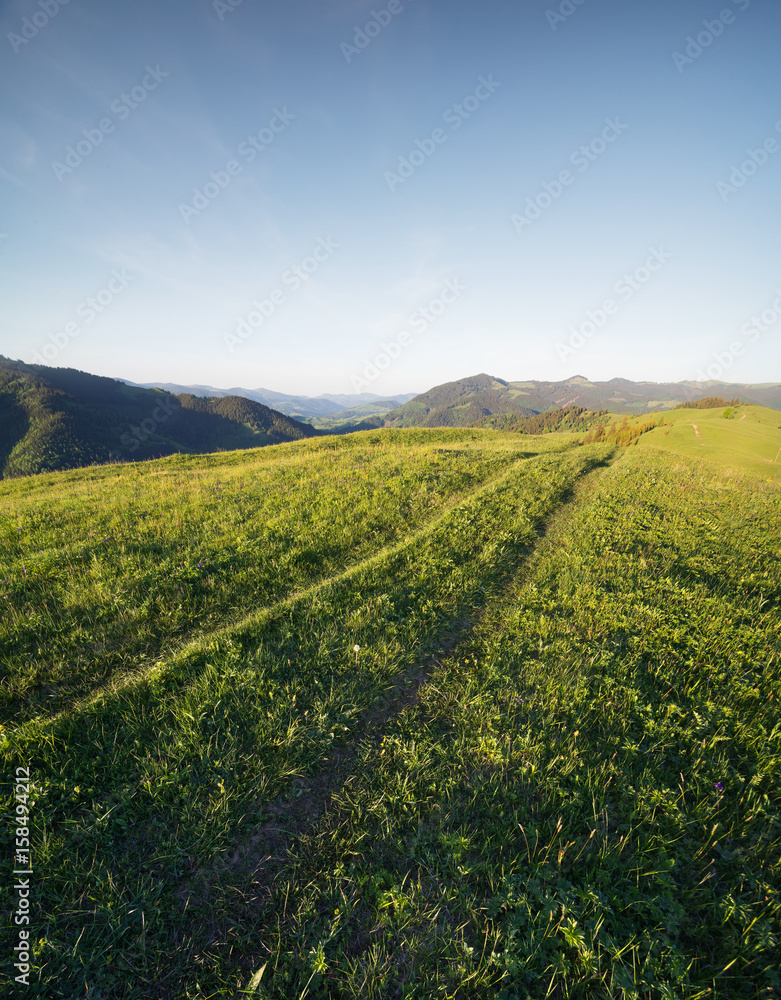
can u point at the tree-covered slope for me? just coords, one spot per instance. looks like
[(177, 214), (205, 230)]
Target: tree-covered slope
[(478, 398), (60, 418)]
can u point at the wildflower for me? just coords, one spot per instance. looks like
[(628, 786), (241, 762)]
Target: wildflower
[(718, 786)]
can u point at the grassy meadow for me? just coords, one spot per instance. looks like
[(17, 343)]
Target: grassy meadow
[(402, 714)]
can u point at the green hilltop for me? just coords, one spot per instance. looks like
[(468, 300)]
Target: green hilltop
[(739, 438)]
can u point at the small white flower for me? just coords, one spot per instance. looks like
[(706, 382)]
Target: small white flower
[(356, 648)]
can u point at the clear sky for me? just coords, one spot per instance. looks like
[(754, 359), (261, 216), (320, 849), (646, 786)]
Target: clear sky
[(355, 195)]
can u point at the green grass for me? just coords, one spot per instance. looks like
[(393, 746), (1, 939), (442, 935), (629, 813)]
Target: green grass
[(551, 769), (101, 571), (749, 441)]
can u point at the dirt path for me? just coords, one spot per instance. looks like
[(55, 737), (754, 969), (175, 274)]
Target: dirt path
[(251, 868), (696, 431)]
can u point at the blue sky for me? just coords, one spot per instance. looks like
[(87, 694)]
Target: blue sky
[(532, 189)]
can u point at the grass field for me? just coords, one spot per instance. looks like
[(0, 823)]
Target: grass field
[(402, 714), (749, 440)]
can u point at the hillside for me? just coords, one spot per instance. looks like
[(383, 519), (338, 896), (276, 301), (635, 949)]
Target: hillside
[(747, 439), (422, 713), (459, 404), (60, 418), (470, 401)]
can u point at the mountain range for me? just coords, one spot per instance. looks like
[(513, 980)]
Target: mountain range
[(299, 407), (480, 399), (60, 418)]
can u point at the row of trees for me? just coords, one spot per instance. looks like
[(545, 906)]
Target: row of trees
[(568, 418), (709, 403), (622, 435)]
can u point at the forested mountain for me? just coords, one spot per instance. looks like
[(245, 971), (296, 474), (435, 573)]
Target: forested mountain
[(60, 418), (484, 400)]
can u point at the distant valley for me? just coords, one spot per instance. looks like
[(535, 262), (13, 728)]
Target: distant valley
[(299, 407)]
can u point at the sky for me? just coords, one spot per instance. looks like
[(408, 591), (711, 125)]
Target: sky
[(336, 196)]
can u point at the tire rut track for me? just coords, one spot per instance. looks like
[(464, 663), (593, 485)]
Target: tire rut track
[(258, 862)]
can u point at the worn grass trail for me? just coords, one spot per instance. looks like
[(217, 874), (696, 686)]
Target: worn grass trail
[(148, 790), (583, 800), (103, 571), (551, 770)]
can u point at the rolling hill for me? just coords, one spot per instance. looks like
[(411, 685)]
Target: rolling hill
[(411, 713), (460, 404), (60, 418)]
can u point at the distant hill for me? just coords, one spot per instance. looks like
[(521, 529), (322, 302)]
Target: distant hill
[(474, 400), (365, 417), (736, 437), (60, 418), (300, 407), (460, 404)]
